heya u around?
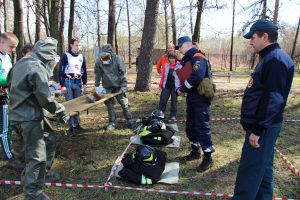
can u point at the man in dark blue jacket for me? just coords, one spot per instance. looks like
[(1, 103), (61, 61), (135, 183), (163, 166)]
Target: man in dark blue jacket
[(262, 112), (197, 111)]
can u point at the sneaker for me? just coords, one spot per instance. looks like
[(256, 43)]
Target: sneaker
[(193, 155), (16, 164), (111, 126), (52, 176), (42, 196), (79, 128), (71, 132)]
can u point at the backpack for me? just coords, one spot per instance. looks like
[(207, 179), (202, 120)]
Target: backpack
[(206, 87)]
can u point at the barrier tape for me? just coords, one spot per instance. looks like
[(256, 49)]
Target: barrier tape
[(211, 119), (66, 185), (182, 192), (291, 166), (71, 185), (117, 163)]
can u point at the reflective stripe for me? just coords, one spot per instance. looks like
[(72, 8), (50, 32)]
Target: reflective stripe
[(189, 86), (199, 54), (157, 138), (148, 181), (150, 158), (143, 181), (145, 132)]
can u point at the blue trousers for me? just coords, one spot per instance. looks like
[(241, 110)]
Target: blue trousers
[(73, 91), (254, 179), (197, 124), (164, 97)]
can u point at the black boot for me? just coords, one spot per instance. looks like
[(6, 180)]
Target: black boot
[(206, 163), (193, 155)]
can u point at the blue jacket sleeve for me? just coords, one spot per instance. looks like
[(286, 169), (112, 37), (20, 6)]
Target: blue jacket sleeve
[(62, 66), (198, 73), (273, 101), (84, 72)]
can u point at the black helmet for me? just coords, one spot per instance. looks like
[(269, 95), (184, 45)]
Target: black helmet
[(155, 125), (158, 114), (144, 154)]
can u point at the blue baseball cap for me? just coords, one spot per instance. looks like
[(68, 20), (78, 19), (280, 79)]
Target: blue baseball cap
[(182, 40), (260, 25)]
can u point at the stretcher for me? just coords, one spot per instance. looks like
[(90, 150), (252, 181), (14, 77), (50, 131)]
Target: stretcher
[(77, 105)]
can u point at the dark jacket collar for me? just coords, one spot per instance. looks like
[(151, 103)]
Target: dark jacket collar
[(73, 54), (189, 54), (268, 49)]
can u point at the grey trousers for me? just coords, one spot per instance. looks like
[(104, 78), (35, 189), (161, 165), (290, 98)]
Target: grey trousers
[(110, 104), (39, 150)]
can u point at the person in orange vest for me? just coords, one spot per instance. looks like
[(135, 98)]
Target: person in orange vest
[(163, 60)]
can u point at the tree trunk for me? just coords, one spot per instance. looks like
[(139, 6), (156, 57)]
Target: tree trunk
[(196, 35), (191, 16), (19, 24), (61, 42), (295, 40), (143, 81), (71, 21), (116, 39), (111, 23), (129, 35), (5, 16), (53, 7), (264, 10), (37, 20), (276, 8), (166, 22), (232, 33), (173, 21), (28, 26), (46, 23), (98, 24)]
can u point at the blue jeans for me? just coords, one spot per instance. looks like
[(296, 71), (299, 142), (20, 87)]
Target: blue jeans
[(164, 97), (254, 179), (73, 87), (197, 124)]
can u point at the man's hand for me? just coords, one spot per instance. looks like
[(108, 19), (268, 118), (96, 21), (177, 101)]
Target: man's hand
[(123, 89), (179, 93), (253, 140), (63, 117), (84, 89), (63, 90)]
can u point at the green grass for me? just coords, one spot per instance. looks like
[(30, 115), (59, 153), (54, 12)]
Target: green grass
[(88, 158)]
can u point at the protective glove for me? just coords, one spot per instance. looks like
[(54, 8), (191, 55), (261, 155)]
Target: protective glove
[(123, 89), (61, 114)]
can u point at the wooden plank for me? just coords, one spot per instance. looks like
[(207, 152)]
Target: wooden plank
[(80, 104)]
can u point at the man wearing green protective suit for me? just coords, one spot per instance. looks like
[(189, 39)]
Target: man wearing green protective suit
[(29, 95)]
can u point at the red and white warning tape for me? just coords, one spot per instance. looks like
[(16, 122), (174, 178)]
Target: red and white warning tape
[(117, 163), (95, 186), (170, 191), (182, 192), (213, 119), (66, 185), (291, 166)]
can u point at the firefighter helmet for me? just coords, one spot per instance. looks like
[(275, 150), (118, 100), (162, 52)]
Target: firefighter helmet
[(144, 154), (158, 114)]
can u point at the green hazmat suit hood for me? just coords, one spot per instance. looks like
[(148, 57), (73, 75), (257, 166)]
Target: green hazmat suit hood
[(46, 51)]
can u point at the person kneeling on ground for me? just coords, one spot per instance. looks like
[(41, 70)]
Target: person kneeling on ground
[(143, 166)]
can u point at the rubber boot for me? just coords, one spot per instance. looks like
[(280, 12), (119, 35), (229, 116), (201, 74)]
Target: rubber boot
[(206, 163)]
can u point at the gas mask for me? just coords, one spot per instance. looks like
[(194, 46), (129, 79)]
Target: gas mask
[(105, 58), (52, 64)]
